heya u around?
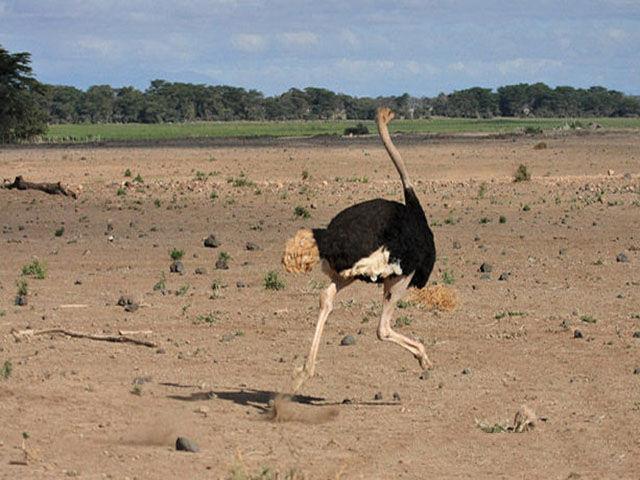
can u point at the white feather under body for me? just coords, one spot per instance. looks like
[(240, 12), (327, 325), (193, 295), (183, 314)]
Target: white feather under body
[(374, 266)]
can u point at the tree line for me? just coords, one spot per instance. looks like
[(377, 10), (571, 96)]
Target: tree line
[(185, 102), (27, 106)]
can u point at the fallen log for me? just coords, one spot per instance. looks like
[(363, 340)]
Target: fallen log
[(22, 334), (51, 188)]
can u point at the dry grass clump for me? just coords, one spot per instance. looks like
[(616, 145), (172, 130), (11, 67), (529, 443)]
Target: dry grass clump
[(436, 297)]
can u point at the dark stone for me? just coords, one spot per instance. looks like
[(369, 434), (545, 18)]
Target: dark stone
[(566, 324), (125, 300), (131, 307), (577, 334), (222, 264), (636, 334), (396, 397), (21, 300), (211, 241), (241, 284), (425, 375), (177, 267), (252, 246), (78, 282), (466, 371), (622, 258), (456, 245), (378, 396), (347, 401), (183, 444), (201, 271), (636, 371), (486, 267), (348, 340), (504, 276)]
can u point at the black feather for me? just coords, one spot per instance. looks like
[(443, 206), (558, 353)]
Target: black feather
[(361, 229)]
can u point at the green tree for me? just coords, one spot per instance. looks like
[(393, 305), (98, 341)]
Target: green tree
[(21, 97)]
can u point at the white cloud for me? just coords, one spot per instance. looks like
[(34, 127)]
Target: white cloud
[(99, 46), (349, 38), (527, 65), (298, 39), (249, 42), (617, 34)]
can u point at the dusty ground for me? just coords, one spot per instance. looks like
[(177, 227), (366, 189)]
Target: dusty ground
[(76, 401)]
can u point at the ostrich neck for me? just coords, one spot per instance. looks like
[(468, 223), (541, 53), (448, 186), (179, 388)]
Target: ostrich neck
[(396, 158)]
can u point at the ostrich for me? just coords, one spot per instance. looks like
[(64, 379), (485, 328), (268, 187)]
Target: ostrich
[(377, 241)]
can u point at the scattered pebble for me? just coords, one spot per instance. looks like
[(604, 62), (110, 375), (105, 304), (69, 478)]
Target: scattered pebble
[(622, 258), (466, 371), (577, 334), (131, 307), (396, 397), (222, 264), (348, 340), (183, 444), (456, 245), (424, 375), (486, 267), (504, 276), (201, 271), (636, 334), (252, 246), (177, 267), (636, 371), (21, 300), (211, 241), (378, 396), (241, 284), (347, 401), (78, 282), (125, 300)]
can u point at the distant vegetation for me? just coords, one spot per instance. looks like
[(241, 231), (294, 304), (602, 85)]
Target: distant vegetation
[(27, 106)]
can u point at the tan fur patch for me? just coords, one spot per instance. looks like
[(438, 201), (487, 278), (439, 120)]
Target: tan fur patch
[(301, 252), (374, 266), (437, 297)]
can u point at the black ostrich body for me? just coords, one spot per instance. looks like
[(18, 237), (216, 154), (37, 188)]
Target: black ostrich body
[(360, 230)]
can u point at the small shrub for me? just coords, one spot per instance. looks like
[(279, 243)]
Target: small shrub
[(176, 254), (301, 212), (59, 232), (540, 146), (588, 319), (502, 219), (305, 175), (359, 129), (210, 318), (224, 256), (161, 285), (23, 287), (485, 220), (216, 288), (127, 173), (138, 179), (201, 175), (7, 368), (121, 192), (182, 291), (35, 269), (482, 190), (241, 181), (137, 390), (403, 321), (522, 174), (531, 130), (213, 196), (447, 278), (157, 203), (272, 282)]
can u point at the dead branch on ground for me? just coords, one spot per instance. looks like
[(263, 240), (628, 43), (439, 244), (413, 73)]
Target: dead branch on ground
[(51, 188), (22, 334)]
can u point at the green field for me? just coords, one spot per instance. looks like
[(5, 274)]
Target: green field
[(174, 131)]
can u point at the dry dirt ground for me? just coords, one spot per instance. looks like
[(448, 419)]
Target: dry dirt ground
[(223, 352)]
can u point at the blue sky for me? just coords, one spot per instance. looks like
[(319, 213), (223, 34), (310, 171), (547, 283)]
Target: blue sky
[(359, 47)]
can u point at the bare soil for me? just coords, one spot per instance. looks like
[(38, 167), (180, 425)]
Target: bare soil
[(106, 410)]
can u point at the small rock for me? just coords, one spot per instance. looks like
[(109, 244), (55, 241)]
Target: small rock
[(348, 340), (227, 337), (566, 324), (347, 401), (504, 276), (200, 271), (611, 172), (78, 282), (21, 300), (176, 267), (562, 251), (466, 371), (456, 245), (161, 350), (636, 334), (131, 307), (183, 444), (204, 410), (222, 264), (627, 176), (636, 371), (125, 300), (486, 267), (252, 246), (211, 241), (424, 375), (241, 284), (378, 396), (396, 397), (577, 334), (622, 258)]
